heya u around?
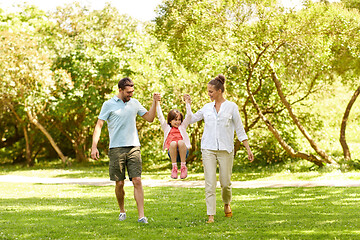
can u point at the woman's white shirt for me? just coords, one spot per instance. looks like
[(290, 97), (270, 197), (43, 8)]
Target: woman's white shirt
[(220, 126)]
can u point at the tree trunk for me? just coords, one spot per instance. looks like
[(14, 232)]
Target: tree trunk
[(278, 137), (79, 147), (195, 140), (237, 146), (47, 135), (78, 143), (313, 144), (27, 145), (345, 147), (27, 148)]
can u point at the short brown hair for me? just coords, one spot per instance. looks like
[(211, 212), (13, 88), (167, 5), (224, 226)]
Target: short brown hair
[(173, 114), (218, 82), (125, 82)]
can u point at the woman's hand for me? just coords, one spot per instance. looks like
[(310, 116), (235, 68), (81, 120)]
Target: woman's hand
[(187, 98), (250, 155), (157, 97)]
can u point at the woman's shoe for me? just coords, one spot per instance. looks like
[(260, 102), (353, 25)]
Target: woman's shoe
[(228, 214), (211, 219)]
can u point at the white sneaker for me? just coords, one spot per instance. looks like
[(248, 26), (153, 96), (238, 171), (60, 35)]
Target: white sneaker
[(122, 216), (143, 220)]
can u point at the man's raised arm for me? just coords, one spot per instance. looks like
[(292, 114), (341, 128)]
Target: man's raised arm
[(150, 115)]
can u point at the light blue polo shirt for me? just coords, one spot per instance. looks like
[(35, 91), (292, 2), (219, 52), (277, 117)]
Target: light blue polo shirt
[(121, 120)]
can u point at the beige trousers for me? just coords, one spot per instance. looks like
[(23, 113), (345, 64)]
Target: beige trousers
[(210, 159)]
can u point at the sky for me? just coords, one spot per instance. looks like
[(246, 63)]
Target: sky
[(140, 9)]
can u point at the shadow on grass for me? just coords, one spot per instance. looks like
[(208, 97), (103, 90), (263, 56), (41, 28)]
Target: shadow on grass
[(87, 212), (249, 174), (95, 173)]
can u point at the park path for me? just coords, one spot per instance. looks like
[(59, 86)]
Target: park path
[(180, 182)]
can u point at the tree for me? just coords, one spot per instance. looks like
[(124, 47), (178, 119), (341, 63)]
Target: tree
[(352, 4), (347, 63), (284, 56), (89, 47), (26, 80)]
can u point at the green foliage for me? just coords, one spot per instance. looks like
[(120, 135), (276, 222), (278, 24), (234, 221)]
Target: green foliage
[(89, 56), (249, 42), (25, 80), (352, 4), (354, 164), (61, 66)]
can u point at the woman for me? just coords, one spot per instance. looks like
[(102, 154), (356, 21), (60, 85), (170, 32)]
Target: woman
[(221, 118)]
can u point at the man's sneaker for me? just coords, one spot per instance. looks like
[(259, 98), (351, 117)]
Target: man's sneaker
[(143, 220), (122, 216), (174, 172), (183, 171)]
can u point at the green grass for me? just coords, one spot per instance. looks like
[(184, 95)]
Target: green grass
[(262, 174), (37, 211)]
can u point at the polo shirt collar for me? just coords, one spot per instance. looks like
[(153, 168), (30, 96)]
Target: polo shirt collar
[(116, 98), (119, 99)]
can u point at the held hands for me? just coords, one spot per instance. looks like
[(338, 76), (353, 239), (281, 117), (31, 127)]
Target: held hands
[(157, 97), (187, 98)]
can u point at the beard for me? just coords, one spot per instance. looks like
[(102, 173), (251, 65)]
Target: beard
[(126, 99)]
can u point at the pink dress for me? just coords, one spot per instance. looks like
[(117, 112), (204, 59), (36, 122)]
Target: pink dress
[(174, 136)]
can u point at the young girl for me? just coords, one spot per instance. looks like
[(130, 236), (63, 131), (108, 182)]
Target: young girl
[(176, 140)]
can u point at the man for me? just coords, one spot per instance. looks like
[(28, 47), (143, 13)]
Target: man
[(124, 153)]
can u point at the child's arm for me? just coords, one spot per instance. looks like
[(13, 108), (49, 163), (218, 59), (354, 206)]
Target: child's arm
[(160, 116), (189, 113)]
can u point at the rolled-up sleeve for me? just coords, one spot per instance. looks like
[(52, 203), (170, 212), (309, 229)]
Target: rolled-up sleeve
[(198, 116), (188, 115), (239, 127), (160, 116)]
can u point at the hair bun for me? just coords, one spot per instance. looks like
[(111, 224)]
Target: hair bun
[(220, 78)]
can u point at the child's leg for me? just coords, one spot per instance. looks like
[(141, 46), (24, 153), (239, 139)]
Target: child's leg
[(182, 151), (173, 151), (173, 156)]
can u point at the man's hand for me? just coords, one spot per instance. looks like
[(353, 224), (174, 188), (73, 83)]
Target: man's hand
[(95, 154), (96, 136), (150, 115), (157, 97)]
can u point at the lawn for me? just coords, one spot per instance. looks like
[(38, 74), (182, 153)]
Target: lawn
[(101, 171), (44, 211)]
